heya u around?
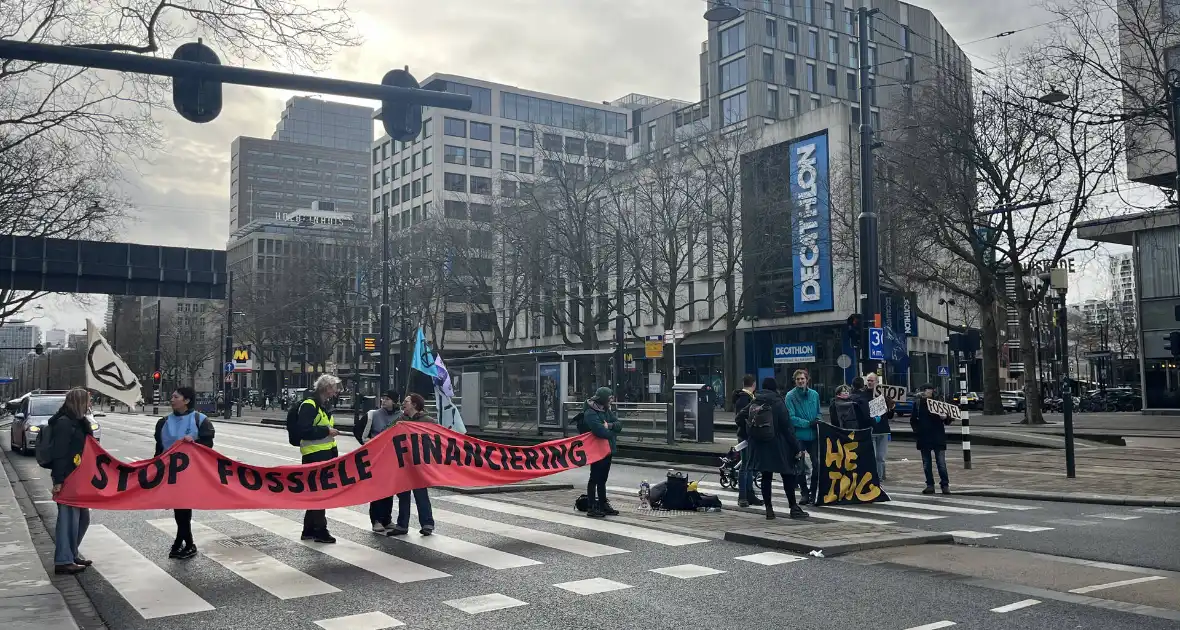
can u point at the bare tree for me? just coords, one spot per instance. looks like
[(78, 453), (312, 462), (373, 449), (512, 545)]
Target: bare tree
[(189, 342)]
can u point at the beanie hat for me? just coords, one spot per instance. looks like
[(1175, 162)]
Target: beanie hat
[(390, 394), (603, 394)]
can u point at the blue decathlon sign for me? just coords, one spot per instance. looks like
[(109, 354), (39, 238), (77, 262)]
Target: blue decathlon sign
[(794, 353), (811, 224), (944, 370), (877, 344)]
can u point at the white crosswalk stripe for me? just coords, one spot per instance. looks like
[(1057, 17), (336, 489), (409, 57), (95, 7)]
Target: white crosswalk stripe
[(252, 565), (372, 560), (471, 552), (569, 544), (972, 535), (150, 590), (365, 621), (880, 510), (816, 512), (971, 502), (576, 520), (933, 507)]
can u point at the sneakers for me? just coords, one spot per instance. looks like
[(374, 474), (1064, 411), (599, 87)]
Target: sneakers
[(608, 509), (946, 489), (595, 511), (324, 538), (397, 530), (426, 530), (928, 490), (797, 512), (756, 502), (186, 552), (742, 502)]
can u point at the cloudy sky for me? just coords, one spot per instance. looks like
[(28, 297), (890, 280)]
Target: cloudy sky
[(591, 49)]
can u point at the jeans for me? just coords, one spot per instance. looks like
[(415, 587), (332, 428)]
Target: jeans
[(381, 511), (184, 526), (422, 500), (881, 447), (940, 457), (72, 523), (812, 449), (596, 487), (745, 475)]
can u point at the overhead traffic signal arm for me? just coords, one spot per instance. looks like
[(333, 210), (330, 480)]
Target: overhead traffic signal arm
[(1172, 343)]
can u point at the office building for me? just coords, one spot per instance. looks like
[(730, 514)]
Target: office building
[(1148, 36), (16, 336), (318, 152), (56, 338), (1122, 276), (190, 341)]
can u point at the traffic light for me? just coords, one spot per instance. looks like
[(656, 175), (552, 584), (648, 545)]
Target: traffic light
[(854, 331), (156, 377), (402, 120), (39, 349), (369, 344), (1173, 345), (197, 99)]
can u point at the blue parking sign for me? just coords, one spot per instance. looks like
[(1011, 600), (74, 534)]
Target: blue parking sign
[(944, 370), (877, 344)]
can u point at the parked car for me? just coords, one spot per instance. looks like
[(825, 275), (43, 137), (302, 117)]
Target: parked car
[(31, 413), (1012, 401)]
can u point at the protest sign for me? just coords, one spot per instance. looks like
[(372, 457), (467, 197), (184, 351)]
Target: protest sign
[(896, 392), (878, 407), (943, 409), (409, 455), (849, 473)]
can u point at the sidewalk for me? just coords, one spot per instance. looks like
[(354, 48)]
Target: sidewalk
[(28, 599)]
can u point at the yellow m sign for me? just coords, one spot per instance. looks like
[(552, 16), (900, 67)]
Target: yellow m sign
[(241, 355)]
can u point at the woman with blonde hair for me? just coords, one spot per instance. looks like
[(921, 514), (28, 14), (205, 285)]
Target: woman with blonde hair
[(68, 430)]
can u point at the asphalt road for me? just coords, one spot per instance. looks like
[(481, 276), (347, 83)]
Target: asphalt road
[(510, 570)]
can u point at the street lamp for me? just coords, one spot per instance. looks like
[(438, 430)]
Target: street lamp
[(721, 11), (1059, 282)]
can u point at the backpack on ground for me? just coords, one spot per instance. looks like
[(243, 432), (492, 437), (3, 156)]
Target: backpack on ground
[(844, 412), (293, 436), (44, 450), (582, 503), (760, 423)]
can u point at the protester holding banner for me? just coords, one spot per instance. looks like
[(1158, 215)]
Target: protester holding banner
[(317, 443), (842, 412), (930, 435), (773, 446), (376, 421), (803, 405), (601, 419), (880, 426), (68, 430), (413, 410), (184, 424), (741, 399)]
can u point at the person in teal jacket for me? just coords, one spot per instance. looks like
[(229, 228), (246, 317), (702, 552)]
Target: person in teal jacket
[(601, 419), (803, 405)]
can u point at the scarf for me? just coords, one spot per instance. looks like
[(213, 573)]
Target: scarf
[(176, 427)]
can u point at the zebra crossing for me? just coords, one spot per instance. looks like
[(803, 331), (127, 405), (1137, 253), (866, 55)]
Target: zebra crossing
[(263, 552)]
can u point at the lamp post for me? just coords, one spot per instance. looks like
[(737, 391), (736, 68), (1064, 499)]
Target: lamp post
[(1059, 282), (156, 386), (952, 365), (226, 390), (385, 336)]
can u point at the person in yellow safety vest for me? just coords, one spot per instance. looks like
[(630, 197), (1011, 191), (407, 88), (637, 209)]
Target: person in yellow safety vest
[(317, 443)]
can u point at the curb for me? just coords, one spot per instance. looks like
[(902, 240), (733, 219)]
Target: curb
[(510, 488), (787, 542), (1078, 497)]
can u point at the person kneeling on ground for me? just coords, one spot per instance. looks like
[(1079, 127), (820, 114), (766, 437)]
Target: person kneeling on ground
[(601, 419)]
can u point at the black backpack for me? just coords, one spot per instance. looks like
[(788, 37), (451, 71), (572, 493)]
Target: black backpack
[(844, 414), (293, 436), (44, 450), (760, 423)]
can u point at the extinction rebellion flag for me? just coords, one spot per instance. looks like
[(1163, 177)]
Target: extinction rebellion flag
[(407, 456), (849, 473)]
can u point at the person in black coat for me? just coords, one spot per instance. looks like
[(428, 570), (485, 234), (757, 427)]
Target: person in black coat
[(780, 455), (742, 399), (930, 435), (184, 424), (68, 430)]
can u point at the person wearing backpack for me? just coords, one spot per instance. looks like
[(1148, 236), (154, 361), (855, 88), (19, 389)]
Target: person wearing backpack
[(316, 433), (803, 405), (68, 430), (184, 424), (742, 399), (376, 421), (600, 418), (773, 445)]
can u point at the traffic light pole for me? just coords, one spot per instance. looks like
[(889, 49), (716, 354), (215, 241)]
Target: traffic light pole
[(870, 280), (156, 371), (229, 346), (1066, 390)]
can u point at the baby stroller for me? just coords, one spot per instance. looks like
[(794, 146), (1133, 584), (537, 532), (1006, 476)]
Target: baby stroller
[(729, 468)]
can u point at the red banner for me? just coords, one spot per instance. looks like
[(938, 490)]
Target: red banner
[(409, 455)]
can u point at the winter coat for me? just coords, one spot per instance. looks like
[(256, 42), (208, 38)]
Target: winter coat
[(780, 455), (880, 424), (741, 400), (803, 405), (69, 436), (602, 422), (204, 437), (929, 428), (834, 416)]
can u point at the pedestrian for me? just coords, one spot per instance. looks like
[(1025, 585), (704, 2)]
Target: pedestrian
[(414, 410), (376, 421), (184, 424), (880, 425), (68, 429), (773, 445), (803, 406), (930, 436), (602, 419), (842, 412), (741, 399), (317, 431)]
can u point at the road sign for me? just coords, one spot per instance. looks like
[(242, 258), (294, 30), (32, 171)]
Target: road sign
[(229, 379), (671, 335), (876, 344), (944, 370), (653, 349), (229, 367), (844, 361)]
